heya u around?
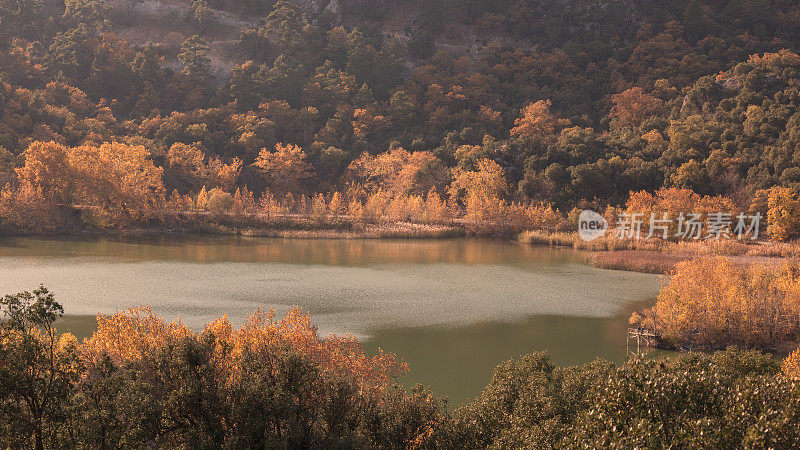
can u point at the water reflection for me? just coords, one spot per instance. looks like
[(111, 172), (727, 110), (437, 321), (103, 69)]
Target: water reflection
[(336, 252)]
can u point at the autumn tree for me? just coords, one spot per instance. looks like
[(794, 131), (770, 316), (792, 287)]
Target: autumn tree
[(713, 302), (39, 370), (48, 169), (270, 382), (25, 207), (119, 179), (480, 191), (186, 163), (536, 120), (783, 215), (399, 171), (221, 174), (219, 201), (633, 106), (285, 169)]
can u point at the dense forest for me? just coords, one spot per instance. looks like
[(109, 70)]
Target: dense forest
[(459, 105)]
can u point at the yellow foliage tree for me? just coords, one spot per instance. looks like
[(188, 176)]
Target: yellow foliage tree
[(481, 191), (536, 120), (713, 302), (118, 179), (399, 171), (783, 214), (791, 365), (134, 336), (319, 208), (48, 169), (202, 199), (337, 206), (26, 208), (285, 169)]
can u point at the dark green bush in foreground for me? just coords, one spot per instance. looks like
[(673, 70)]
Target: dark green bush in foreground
[(729, 399)]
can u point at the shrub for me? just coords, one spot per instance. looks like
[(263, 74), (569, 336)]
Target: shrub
[(219, 201), (726, 400)]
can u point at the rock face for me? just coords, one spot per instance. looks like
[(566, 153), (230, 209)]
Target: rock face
[(316, 7), (333, 7)]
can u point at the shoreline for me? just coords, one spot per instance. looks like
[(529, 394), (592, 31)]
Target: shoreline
[(657, 256), (295, 228), (643, 256)]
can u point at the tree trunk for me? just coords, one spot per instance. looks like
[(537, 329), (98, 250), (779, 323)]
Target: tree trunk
[(37, 434)]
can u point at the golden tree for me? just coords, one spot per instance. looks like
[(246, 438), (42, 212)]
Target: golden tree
[(319, 208), (336, 206), (791, 365), (135, 335), (536, 120), (47, 169), (480, 191), (26, 208), (399, 171), (783, 215), (713, 302), (118, 179), (285, 169), (222, 175), (202, 199), (633, 106)]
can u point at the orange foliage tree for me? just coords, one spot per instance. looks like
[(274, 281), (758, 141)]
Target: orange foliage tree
[(713, 302), (323, 372), (536, 120), (791, 365), (480, 191), (633, 106), (668, 203), (47, 168), (118, 178), (783, 214), (117, 182), (285, 169), (134, 335), (26, 208), (399, 171)]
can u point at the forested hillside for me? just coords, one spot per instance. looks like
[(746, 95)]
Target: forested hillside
[(130, 105)]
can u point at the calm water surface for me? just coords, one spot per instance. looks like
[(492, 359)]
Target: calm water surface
[(453, 309)]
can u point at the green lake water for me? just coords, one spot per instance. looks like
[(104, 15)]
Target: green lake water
[(452, 309)]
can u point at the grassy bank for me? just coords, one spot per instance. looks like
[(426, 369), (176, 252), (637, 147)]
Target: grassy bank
[(657, 255), (294, 227)]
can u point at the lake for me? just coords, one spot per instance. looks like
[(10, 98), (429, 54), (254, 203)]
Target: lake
[(452, 309)]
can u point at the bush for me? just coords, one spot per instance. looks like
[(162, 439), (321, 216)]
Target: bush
[(726, 400), (140, 381), (219, 201)]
